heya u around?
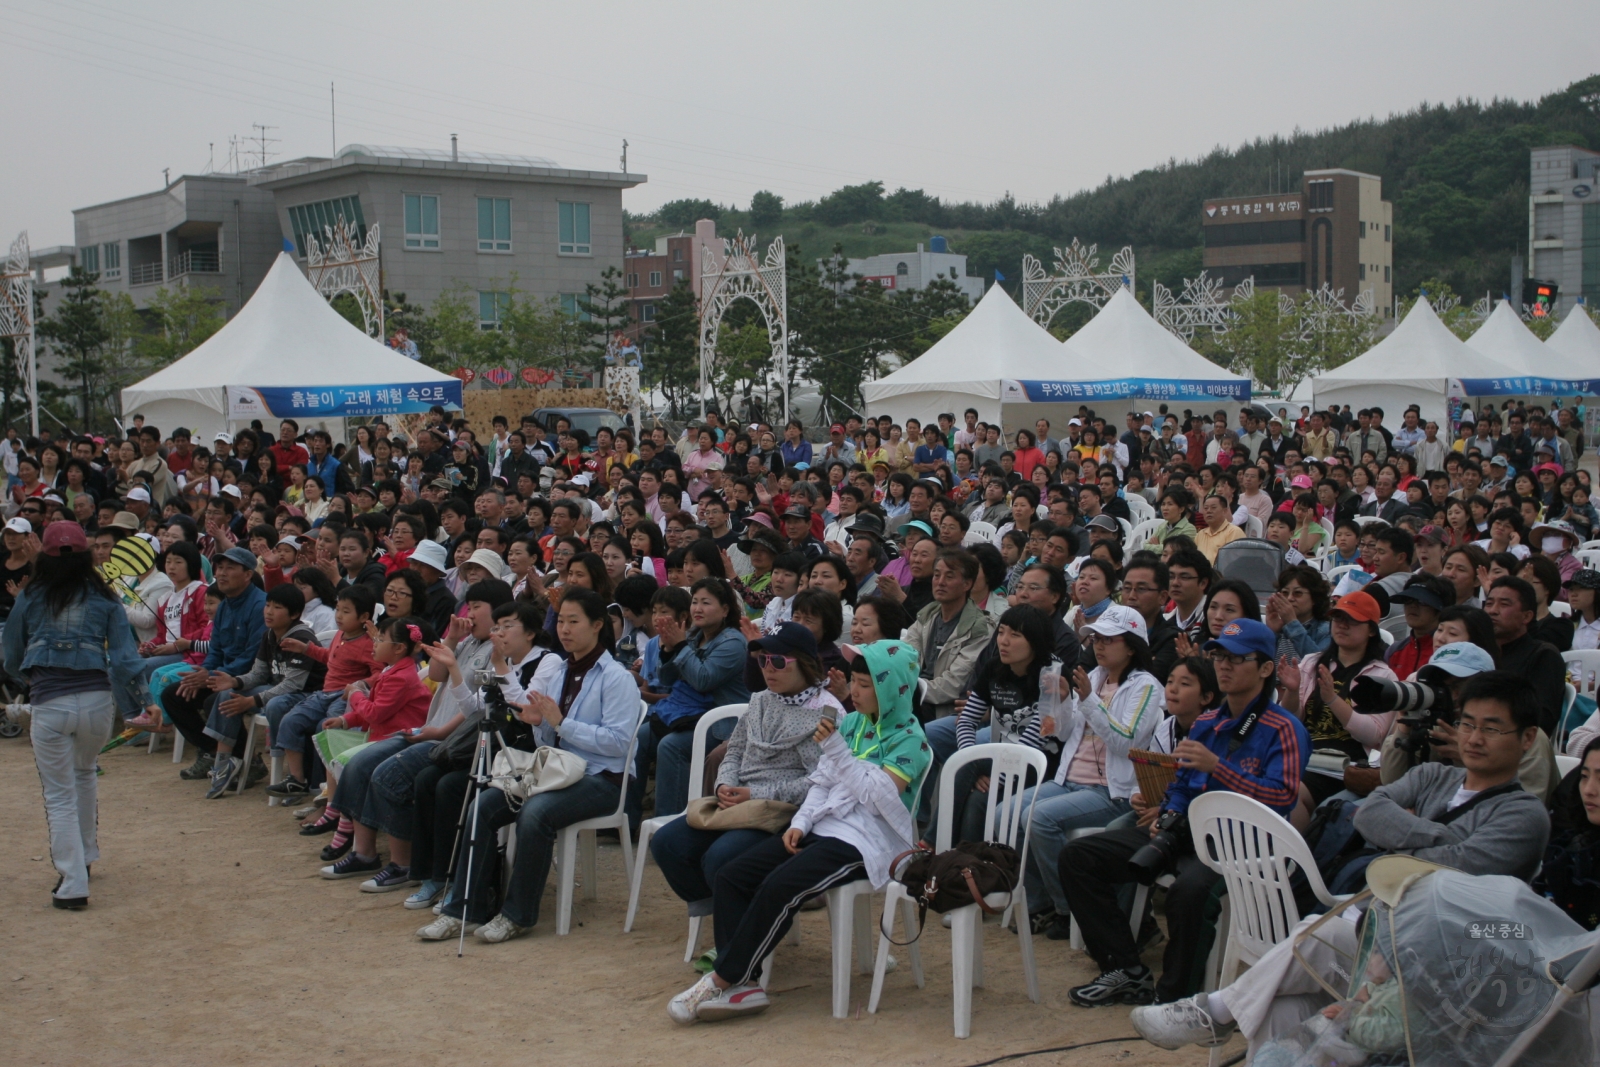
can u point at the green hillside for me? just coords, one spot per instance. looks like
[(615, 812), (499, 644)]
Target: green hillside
[(1457, 174)]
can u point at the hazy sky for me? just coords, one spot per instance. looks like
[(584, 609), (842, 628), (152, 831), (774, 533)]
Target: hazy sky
[(966, 100)]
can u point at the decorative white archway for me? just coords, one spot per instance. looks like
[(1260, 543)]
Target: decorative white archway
[(16, 321), (1077, 279), (342, 263), (736, 274)]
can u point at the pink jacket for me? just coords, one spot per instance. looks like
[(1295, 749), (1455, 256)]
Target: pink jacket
[(1370, 730)]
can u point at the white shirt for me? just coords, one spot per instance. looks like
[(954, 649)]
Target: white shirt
[(1587, 635)]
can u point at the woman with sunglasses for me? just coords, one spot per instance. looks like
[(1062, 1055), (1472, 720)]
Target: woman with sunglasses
[(769, 756)]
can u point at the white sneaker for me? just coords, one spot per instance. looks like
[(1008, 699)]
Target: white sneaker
[(1182, 1022), (500, 929), (682, 1008), (444, 928), (735, 1000)]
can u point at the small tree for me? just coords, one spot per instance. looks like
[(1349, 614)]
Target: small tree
[(184, 318), (672, 348), (766, 210), (76, 333), (606, 309)]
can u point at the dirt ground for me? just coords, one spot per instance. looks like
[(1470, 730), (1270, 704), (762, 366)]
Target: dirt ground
[(211, 939)]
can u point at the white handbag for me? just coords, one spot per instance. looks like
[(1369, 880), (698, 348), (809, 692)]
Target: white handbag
[(520, 774)]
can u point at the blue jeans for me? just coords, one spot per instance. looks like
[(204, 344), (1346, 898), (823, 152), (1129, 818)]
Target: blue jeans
[(391, 801), (690, 858), (350, 795), (67, 734), (941, 735), (1057, 811), (230, 728), (541, 818), (124, 699)]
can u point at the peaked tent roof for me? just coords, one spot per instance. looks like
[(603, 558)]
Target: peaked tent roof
[(994, 339), (1421, 353), (1123, 340), (1578, 338), (287, 335)]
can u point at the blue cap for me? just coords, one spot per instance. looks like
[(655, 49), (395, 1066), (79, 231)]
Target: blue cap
[(240, 555), (1244, 636), (1462, 659)]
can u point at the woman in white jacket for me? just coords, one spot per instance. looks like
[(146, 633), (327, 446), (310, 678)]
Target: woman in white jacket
[(1110, 710), (855, 820)]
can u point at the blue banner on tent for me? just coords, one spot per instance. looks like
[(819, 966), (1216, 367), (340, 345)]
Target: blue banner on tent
[(1527, 386), (1123, 389), (338, 401)]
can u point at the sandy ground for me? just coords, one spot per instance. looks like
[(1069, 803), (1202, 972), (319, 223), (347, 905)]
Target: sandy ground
[(211, 940)]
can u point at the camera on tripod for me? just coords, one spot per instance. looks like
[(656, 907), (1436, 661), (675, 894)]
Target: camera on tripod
[(1170, 841), (498, 714), (1421, 706)]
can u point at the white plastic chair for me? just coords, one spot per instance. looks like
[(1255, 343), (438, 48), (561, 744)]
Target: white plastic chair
[(1363, 521), (1588, 545), (1583, 670), (1327, 524), (981, 533), (1127, 530), (1137, 537), (251, 723), (1139, 508), (1589, 557), (1253, 527), (1565, 764), (648, 827), (568, 839), (1333, 574), (1256, 851), (1560, 609), (1004, 821)]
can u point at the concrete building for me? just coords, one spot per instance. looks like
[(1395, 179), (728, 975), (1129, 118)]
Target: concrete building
[(1564, 222), (1336, 230), (450, 219), (916, 270), (216, 231), (651, 274)]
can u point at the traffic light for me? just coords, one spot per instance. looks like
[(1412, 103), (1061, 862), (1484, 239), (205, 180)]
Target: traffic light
[(1539, 297)]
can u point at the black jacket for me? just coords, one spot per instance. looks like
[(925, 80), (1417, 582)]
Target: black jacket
[(1541, 666), (1163, 647)]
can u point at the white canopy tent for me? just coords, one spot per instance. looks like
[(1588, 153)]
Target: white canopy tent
[(1544, 371), (998, 356), (1577, 340), (1420, 363), (287, 353), (965, 367)]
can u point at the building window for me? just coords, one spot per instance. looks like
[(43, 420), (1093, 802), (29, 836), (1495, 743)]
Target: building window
[(1590, 262), (677, 276), (655, 278), (1385, 273), (648, 313), (901, 269), (1320, 195), (422, 221), (570, 304), (89, 259), (1361, 272), (1362, 231), (492, 308), (633, 280), (111, 259), (1265, 274), (573, 225), (494, 224), (1387, 231), (1277, 232), (310, 220), (677, 255)]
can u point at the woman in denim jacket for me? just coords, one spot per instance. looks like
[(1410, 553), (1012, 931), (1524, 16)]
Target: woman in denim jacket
[(69, 640)]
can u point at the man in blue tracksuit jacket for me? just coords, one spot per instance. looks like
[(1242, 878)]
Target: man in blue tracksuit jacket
[(1247, 745), (236, 635)]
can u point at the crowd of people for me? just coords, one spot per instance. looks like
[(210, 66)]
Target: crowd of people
[(878, 601)]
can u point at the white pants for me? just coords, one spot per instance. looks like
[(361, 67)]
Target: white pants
[(1277, 993), (67, 734)]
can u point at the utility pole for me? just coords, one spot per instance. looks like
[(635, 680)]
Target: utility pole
[(333, 122), (624, 155)]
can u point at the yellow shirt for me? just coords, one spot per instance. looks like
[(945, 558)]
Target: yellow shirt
[(1208, 542)]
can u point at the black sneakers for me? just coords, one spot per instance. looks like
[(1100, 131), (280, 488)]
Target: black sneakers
[(1135, 985), (291, 788)]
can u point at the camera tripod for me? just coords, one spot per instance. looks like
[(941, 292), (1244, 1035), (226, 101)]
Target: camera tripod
[(478, 778)]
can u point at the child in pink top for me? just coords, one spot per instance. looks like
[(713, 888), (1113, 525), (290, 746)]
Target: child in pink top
[(396, 699)]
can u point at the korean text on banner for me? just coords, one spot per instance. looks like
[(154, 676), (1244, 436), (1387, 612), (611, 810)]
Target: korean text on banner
[(1143, 388), (336, 401)]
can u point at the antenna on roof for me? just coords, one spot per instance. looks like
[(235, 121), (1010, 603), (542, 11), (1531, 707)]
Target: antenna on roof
[(624, 155), (333, 121), (455, 157), (166, 177), (263, 141)]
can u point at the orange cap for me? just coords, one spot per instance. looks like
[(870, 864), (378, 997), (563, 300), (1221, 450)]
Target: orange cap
[(1359, 606)]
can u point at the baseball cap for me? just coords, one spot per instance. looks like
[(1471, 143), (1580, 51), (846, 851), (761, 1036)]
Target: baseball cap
[(1301, 481), (837, 427), (225, 438), (62, 537), (1462, 659), (1360, 606), (1553, 468), (1417, 593), (291, 540), (139, 493), (441, 483), (240, 555), (1433, 535), (489, 560), (798, 511), (231, 490), (19, 525), (1117, 620), (790, 639), (1103, 522), (430, 554), (1241, 637), (125, 520), (1499, 461), (917, 525), (1584, 579)]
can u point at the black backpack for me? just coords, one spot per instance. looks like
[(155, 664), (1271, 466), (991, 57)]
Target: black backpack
[(957, 877)]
